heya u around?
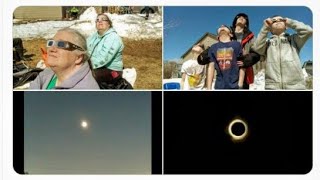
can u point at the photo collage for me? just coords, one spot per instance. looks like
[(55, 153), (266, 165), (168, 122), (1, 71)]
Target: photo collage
[(162, 90)]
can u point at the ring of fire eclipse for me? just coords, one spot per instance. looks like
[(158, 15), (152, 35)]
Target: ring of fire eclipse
[(238, 130)]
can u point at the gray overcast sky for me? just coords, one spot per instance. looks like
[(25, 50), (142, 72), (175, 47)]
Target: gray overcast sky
[(117, 141)]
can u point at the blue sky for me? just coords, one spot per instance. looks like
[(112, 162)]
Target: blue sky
[(117, 140), (184, 25)]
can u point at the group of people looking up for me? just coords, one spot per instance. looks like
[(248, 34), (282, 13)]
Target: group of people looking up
[(79, 63), (76, 62), (230, 60)]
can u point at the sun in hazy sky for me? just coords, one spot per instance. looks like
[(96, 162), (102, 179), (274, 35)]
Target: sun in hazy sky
[(84, 124)]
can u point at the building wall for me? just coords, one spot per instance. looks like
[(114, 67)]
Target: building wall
[(207, 41), (38, 12)]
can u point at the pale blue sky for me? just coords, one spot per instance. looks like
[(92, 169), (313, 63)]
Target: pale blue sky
[(117, 140), (184, 25)]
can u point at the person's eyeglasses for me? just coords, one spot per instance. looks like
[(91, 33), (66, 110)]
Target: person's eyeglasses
[(225, 27), (277, 20), (237, 17), (63, 45), (102, 19)]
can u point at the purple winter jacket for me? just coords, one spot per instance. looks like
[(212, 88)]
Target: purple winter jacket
[(81, 79)]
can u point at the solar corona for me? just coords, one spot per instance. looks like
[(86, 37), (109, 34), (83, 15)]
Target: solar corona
[(237, 130)]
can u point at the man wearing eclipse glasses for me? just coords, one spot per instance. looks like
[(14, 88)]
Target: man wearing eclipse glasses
[(283, 66), (68, 65)]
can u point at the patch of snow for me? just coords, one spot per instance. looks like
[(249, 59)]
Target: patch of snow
[(132, 26), (305, 74), (259, 81)]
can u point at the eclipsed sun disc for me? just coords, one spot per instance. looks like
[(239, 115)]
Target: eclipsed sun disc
[(238, 130)]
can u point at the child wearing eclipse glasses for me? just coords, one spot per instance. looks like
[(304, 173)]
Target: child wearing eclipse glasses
[(281, 51), (222, 57)]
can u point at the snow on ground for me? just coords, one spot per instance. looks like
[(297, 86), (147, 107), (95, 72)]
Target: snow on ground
[(132, 26), (305, 74), (173, 80), (258, 85), (259, 81)]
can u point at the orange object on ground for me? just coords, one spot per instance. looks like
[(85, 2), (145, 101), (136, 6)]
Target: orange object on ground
[(44, 55)]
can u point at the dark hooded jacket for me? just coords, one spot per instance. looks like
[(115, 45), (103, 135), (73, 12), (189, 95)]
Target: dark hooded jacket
[(251, 57), (247, 41)]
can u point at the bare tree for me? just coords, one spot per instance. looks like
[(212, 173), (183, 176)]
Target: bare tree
[(169, 69)]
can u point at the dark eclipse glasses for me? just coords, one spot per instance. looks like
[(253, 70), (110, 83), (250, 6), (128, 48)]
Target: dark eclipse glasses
[(63, 45), (101, 19), (274, 20)]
